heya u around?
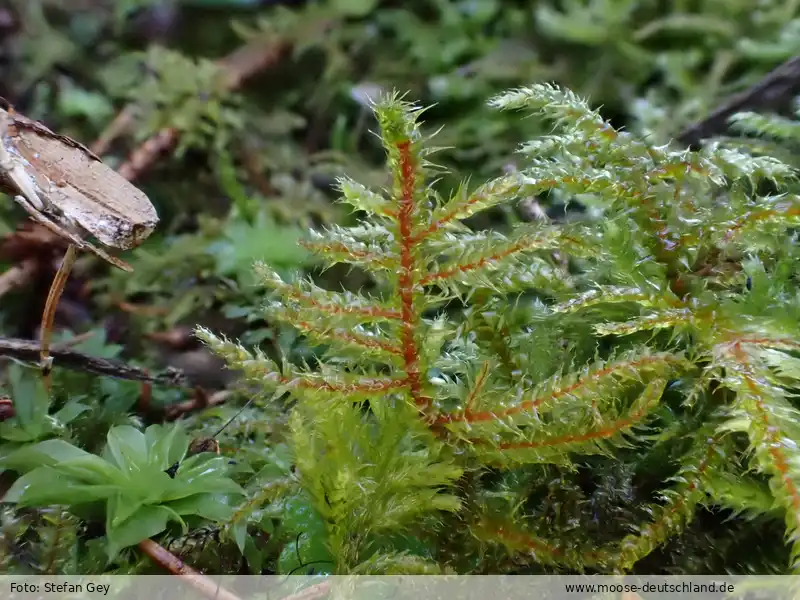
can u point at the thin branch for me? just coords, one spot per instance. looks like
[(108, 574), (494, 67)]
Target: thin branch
[(238, 67), (311, 593), (28, 351), (200, 401), (18, 276), (118, 127), (176, 566), (776, 88)]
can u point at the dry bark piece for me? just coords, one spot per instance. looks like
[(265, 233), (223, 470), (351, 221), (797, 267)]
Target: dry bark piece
[(72, 187), (66, 188)]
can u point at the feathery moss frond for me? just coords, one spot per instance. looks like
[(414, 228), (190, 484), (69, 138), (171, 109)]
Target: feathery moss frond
[(493, 374)]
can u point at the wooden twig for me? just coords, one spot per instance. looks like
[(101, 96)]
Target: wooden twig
[(17, 276), (49, 314), (121, 123), (311, 593), (145, 154), (28, 351), (241, 64), (136, 309), (206, 585), (237, 67), (200, 401), (775, 89), (176, 566), (145, 398)]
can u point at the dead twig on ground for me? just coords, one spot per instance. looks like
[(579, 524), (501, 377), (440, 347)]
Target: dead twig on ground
[(32, 248), (776, 88), (238, 67), (28, 351), (18, 276), (311, 593), (173, 564), (200, 401), (118, 127)]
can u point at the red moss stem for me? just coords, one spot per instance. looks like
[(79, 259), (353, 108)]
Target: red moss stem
[(529, 405), (407, 273)]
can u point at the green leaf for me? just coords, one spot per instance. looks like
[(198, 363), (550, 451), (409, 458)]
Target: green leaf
[(202, 466), (210, 482), (45, 486), (301, 516), (76, 102), (208, 506), (31, 403), (127, 448), (143, 524), (120, 508), (168, 444), (354, 8), (12, 432), (44, 453), (226, 175), (70, 411), (95, 344), (92, 469), (239, 533), (263, 241), (150, 486), (307, 549), (278, 464), (253, 556)]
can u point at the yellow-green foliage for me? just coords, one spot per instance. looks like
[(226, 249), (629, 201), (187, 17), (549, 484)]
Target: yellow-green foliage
[(564, 397)]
